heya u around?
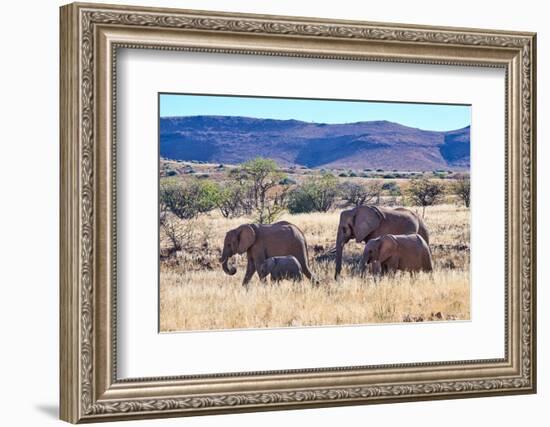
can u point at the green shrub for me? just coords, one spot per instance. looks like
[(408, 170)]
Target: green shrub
[(300, 201), (392, 188), (187, 200), (231, 199), (316, 194)]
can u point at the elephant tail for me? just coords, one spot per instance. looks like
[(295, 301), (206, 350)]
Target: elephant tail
[(305, 262)]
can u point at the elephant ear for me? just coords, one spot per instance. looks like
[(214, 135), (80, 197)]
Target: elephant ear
[(388, 247), (366, 219), (246, 238)]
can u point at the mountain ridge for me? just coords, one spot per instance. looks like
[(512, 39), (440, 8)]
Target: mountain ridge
[(367, 144)]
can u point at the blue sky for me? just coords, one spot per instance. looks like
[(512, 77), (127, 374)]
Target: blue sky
[(424, 116)]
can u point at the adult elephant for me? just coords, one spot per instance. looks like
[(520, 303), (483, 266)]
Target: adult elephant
[(367, 222), (262, 241)]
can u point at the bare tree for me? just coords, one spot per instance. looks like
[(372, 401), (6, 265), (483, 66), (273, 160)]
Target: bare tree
[(358, 194), (179, 233), (425, 192), (461, 188)]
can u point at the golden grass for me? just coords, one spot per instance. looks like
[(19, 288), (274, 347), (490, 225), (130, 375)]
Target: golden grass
[(196, 294)]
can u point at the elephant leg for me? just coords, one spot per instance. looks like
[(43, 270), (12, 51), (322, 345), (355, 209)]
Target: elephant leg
[(376, 268), (257, 263), (392, 264), (250, 270)]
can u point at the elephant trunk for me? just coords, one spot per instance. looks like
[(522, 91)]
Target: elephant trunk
[(363, 263), (376, 268), (340, 241), (228, 270)]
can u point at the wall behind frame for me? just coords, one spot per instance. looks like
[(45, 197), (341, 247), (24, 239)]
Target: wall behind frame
[(29, 174)]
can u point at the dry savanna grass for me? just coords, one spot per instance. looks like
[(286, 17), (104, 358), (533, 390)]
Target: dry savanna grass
[(195, 294)]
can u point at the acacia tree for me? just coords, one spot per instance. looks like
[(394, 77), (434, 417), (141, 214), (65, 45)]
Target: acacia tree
[(262, 175), (462, 189), (425, 192)]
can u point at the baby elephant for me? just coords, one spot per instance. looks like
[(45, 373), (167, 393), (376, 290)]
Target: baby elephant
[(281, 267), (405, 252)]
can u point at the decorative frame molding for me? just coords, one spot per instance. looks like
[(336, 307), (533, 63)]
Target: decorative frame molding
[(90, 36)]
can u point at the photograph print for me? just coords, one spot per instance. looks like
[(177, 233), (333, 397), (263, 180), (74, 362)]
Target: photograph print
[(291, 212)]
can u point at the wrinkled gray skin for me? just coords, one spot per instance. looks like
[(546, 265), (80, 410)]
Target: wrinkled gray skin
[(390, 253), (262, 241), (281, 267), (368, 222)]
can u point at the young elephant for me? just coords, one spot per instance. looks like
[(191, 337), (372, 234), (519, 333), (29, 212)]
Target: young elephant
[(405, 252), (282, 267)]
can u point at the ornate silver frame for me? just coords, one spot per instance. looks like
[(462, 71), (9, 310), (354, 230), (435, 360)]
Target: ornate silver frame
[(90, 36)]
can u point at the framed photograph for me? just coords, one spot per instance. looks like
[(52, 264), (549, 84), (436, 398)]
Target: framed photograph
[(266, 212)]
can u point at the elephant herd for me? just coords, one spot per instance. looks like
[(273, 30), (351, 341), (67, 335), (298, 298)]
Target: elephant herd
[(395, 239)]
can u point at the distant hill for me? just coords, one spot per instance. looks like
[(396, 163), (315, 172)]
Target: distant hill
[(375, 144)]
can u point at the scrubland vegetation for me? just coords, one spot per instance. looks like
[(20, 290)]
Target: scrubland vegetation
[(201, 202)]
